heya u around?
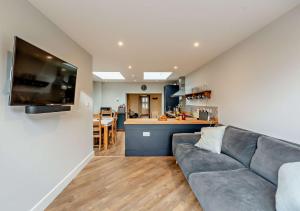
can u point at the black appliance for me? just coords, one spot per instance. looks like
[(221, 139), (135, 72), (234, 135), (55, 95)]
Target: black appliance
[(40, 79)]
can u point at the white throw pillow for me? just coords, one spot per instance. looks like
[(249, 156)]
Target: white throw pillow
[(211, 139), (288, 189)]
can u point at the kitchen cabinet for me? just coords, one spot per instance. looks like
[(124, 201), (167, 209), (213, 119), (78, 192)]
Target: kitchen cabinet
[(150, 137), (120, 121), (170, 102)]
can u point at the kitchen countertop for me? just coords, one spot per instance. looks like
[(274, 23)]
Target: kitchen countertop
[(191, 121)]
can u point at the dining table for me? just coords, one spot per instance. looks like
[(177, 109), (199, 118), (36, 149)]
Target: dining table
[(106, 122)]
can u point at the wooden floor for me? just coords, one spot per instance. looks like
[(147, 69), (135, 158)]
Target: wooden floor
[(117, 149), (112, 182), (128, 183)]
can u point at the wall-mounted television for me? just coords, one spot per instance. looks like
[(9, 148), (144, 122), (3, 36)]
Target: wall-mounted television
[(39, 78)]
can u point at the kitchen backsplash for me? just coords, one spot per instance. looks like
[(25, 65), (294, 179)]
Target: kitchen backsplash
[(212, 110)]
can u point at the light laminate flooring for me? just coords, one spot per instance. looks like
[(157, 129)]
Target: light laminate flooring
[(128, 183)]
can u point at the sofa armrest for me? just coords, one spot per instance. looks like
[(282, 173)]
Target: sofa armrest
[(184, 138)]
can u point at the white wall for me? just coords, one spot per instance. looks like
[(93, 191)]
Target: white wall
[(38, 151), (114, 94), (257, 83), (97, 96)]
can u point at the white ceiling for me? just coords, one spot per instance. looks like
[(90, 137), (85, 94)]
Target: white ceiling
[(159, 34)]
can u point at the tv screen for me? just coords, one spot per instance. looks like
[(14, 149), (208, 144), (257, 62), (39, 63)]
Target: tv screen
[(39, 78)]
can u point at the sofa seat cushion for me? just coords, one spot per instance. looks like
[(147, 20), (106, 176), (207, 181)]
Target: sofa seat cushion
[(271, 153), (193, 159), (239, 144), (235, 190)]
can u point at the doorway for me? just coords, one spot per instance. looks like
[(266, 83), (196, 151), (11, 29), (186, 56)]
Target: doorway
[(144, 106), (140, 105)]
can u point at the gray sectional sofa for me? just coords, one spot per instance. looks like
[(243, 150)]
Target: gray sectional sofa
[(243, 177)]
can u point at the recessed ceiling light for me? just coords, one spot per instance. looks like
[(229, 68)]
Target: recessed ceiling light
[(120, 43), (130, 67), (109, 75), (175, 67), (49, 57), (156, 75), (196, 44)]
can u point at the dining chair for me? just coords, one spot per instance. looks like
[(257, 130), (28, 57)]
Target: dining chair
[(114, 127), (96, 116), (97, 132), (107, 112)]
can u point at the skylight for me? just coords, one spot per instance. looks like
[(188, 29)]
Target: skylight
[(156, 75), (109, 75)]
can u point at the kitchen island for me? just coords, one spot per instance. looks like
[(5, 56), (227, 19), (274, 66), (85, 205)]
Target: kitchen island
[(151, 137)]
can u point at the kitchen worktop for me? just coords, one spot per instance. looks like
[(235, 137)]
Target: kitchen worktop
[(171, 121)]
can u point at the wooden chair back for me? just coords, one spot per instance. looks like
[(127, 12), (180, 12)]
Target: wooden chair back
[(113, 127), (96, 116), (97, 131), (106, 112), (115, 120)]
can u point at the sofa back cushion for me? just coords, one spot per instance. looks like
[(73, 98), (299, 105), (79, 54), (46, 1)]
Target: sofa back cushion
[(271, 153), (239, 144)]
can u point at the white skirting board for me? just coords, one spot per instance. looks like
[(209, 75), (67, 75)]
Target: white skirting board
[(49, 197)]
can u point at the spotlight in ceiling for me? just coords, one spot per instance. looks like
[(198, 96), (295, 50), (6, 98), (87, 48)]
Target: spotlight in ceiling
[(120, 43), (196, 44), (129, 67), (175, 67)]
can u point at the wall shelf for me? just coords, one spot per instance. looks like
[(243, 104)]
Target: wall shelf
[(199, 95)]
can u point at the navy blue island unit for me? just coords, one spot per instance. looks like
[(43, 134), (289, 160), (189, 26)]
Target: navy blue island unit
[(150, 137)]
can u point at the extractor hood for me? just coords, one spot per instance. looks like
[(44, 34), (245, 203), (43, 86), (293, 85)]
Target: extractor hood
[(181, 92)]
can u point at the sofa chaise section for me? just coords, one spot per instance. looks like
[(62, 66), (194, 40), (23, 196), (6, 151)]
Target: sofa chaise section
[(236, 190)]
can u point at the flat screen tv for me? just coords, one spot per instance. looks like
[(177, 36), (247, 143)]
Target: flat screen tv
[(40, 78)]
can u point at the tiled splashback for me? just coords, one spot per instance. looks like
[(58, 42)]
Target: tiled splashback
[(213, 110)]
